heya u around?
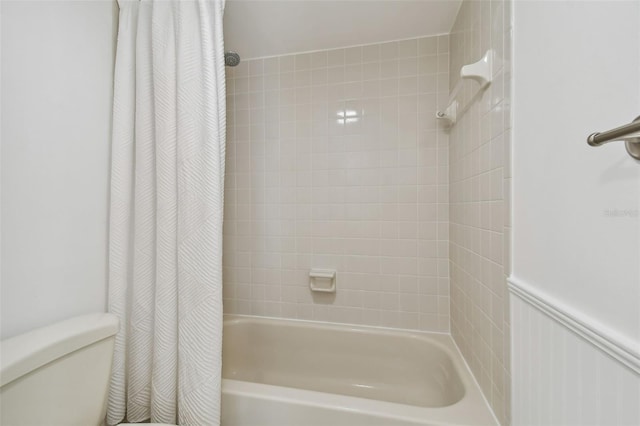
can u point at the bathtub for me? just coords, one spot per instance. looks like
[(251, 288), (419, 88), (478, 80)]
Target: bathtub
[(300, 373)]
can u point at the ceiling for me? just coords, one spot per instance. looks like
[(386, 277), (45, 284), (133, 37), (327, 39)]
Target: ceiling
[(257, 28)]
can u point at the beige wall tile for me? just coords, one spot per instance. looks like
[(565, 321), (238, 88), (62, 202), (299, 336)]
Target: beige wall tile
[(479, 186), (331, 165)]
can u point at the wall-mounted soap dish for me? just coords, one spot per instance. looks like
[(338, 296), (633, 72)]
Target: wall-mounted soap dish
[(323, 280)]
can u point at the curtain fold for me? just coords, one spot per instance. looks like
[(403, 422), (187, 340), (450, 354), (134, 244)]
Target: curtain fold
[(167, 188)]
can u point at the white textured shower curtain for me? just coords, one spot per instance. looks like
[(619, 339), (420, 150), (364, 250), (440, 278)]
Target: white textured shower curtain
[(167, 179)]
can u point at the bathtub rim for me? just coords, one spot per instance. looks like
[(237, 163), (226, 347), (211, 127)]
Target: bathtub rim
[(472, 403)]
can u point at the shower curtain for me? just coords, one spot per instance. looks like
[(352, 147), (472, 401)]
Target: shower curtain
[(167, 179)]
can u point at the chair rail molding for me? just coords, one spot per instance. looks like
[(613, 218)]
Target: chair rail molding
[(618, 347)]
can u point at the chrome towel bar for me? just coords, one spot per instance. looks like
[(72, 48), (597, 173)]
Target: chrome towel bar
[(629, 133)]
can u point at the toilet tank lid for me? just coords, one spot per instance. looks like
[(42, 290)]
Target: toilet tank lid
[(24, 353)]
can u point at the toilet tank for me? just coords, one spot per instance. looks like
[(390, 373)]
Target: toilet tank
[(59, 374)]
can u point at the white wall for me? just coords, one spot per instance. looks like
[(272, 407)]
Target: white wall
[(258, 28), (560, 379), (576, 230), (579, 74), (57, 65)]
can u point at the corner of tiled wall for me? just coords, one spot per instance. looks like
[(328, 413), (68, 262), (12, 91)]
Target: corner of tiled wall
[(480, 182), (335, 160)]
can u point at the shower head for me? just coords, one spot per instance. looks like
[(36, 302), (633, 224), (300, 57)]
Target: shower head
[(231, 58)]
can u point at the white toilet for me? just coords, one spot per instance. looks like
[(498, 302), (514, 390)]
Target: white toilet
[(58, 375)]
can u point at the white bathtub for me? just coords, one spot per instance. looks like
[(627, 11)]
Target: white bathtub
[(286, 372)]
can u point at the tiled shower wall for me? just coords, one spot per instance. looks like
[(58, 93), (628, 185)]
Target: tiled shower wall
[(479, 195), (335, 161)]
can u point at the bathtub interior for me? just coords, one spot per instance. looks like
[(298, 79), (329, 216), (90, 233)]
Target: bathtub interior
[(353, 361)]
